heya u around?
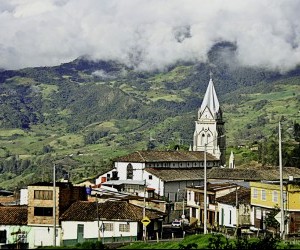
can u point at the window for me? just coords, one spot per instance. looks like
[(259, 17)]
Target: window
[(124, 227), (208, 139), (255, 193), (43, 211), (263, 195), (194, 212), (150, 177), (275, 196), (129, 171), (109, 226), (43, 195), (230, 217), (202, 138), (2, 236)]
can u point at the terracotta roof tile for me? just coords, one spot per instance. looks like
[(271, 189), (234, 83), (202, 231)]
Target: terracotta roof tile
[(175, 174), (13, 215), (165, 156), (109, 210), (254, 174), (243, 196)]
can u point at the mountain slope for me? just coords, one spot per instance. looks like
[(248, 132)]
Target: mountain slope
[(81, 114)]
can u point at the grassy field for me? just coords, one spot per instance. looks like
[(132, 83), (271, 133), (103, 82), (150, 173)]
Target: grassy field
[(209, 241)]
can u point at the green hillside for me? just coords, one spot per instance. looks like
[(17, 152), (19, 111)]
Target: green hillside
[(82, 114)]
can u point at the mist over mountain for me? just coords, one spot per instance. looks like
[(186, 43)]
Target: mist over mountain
[(149, 35)]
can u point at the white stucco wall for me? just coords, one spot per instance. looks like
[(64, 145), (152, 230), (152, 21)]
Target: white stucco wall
[(121, 168), (24, 196), (43, 236), (12, 237), (155, 183), (91, 229), (226, 221)]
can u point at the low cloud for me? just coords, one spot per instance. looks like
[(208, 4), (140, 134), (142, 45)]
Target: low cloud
[(148, 34)]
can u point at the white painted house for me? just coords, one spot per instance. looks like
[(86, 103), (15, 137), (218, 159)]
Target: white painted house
[(117, 220), (234, 208), (165, 172), (195, 201), (13, 226)]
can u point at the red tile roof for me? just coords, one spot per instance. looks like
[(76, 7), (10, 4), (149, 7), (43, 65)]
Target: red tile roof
[(109, 210), (175, 174), (165, 156), (13, 215), (253, 174), (242, 195)]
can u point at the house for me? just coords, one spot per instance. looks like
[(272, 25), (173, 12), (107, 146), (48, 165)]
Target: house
[(195, 201), (266, 197), (117, 220), (13, 227), (163, 171), (41, 209), (234, 208)]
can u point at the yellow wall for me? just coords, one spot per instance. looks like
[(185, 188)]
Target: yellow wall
[(293, 195)]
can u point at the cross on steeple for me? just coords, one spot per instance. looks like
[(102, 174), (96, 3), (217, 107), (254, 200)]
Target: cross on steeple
[(210, 74)]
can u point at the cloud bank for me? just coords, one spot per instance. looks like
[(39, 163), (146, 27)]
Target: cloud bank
[(148, 34)]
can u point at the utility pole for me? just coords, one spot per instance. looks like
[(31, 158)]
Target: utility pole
[(282, 227), (237, 207), (205, 192), (144, 213), (97, 204), (54, 206), (205, 184)]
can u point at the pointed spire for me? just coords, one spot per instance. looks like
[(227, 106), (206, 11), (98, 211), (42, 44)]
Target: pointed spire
[(231, 160), (210, 99)]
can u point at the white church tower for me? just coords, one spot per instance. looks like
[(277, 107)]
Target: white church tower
[(209, 127)]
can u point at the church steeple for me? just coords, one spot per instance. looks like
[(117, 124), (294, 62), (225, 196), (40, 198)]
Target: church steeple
[(210, 126), (210, 99)]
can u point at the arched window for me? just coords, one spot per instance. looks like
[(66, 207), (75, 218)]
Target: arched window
[(208, 140), (129, 171), (202, 139)]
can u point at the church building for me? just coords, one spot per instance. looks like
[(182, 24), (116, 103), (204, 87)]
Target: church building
[(209, 132), (168, 172)]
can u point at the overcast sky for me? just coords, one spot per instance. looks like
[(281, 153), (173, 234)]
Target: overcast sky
[(148, 34)]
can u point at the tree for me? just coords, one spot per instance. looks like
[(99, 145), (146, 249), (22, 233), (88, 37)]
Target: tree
[(270, 220)]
